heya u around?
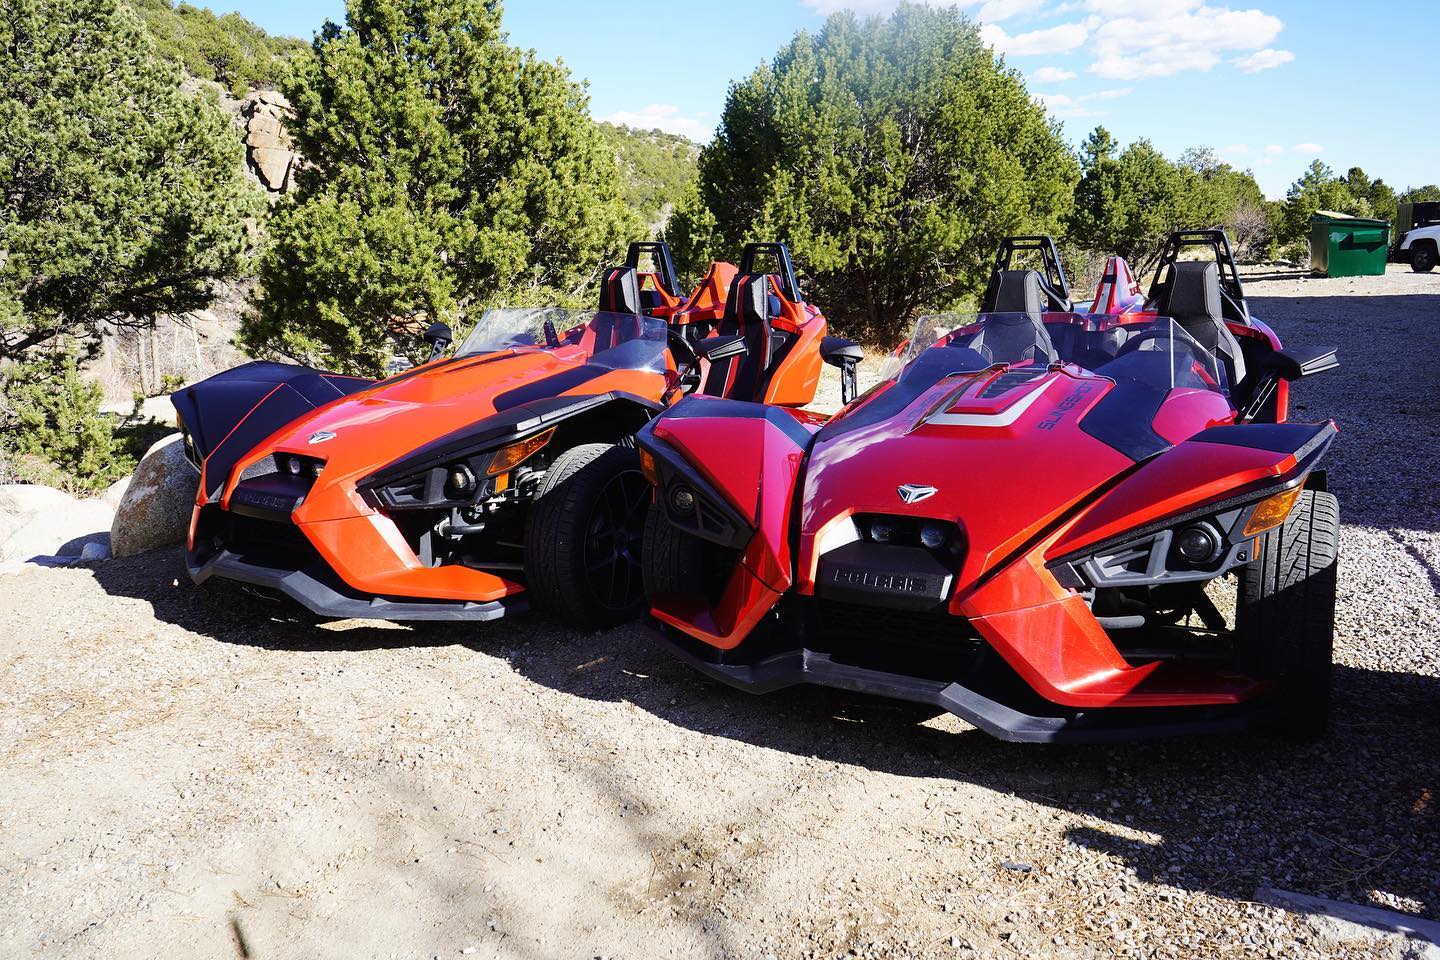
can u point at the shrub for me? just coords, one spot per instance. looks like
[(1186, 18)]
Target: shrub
[(57, 434)]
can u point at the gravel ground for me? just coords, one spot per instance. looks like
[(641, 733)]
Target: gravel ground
[(194, 774)]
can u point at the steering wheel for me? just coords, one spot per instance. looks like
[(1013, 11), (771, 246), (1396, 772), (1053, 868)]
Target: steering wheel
[(687, 361)]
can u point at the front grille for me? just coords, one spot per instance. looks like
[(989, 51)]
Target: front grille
[(930, 644), (268, 543)]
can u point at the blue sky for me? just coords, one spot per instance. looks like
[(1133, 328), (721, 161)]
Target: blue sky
[(1270, 84)]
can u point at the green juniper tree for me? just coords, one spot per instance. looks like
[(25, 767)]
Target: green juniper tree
[(1128, 200), (445, 170), (892, 154), (121, 198)]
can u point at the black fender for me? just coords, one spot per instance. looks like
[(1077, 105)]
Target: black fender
[(225, 416), (602, 417)]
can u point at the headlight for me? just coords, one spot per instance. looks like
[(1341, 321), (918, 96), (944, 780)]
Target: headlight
[(1198, 543), (682, 498), (1197, 546), (459, 480), (934, 535)]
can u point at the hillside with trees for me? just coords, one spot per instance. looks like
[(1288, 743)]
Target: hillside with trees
[(656, 168), (122, 199), (229, 49), (444, 171)]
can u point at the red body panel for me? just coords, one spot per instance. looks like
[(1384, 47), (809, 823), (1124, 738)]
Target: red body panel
[(798, 373), (973, 462), (1023, 481)]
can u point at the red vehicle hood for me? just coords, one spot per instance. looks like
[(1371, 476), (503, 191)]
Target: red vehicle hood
[(1003, 466)]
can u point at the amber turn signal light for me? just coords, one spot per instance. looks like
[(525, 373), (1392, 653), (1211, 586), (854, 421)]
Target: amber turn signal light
[(647, 467), (1271, 512), (508, 458)]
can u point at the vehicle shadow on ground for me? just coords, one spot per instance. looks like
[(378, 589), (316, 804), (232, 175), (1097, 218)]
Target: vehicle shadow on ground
[(1355, 813)]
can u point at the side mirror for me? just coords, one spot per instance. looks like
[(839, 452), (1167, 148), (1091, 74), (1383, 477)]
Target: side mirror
[(722, 348), (1280, 365), (439, 336), (1297, 362), (837, 351), (845, 354)]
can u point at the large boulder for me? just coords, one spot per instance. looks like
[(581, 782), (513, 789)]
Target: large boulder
[(155, 509), (40, 524), (273, 164)]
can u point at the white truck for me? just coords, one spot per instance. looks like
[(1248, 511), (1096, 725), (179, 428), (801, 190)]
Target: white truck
[(1417, 237)]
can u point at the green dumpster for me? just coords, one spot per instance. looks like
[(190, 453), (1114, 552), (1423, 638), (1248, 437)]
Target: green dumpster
[(1346, 246)]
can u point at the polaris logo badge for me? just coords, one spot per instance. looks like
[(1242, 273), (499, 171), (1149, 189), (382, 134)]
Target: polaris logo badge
[(883, 581), (320, 436), (914, 492)]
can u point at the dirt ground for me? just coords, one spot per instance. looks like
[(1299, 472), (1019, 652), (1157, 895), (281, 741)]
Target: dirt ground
[(196, 774)]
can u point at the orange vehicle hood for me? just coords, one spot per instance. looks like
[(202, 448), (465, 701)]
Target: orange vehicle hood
[(380, 424)]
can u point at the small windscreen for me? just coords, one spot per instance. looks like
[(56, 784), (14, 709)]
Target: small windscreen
[(617, 340)]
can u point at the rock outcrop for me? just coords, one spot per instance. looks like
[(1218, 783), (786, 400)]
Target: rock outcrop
[(155, 508), (268, 148)]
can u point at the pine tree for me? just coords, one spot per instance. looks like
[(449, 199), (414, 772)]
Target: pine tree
[(121, 197), (445, 170), (892, 154)]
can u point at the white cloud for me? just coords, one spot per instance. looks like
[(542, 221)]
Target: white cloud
[(1124, 39), (827, 7), (1262, 60), (666, 117), (1274, 149), (1066, 106), (1063, 106), (1051, 40), (1311, 148), (1165, 37), (1051, 75), (993, 11)]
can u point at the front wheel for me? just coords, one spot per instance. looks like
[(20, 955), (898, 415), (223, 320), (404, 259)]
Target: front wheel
[(583, 535), (1422, 258), (1285, 611)]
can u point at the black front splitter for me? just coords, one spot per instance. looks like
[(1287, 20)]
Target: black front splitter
[(323, 593), (1056, 724)]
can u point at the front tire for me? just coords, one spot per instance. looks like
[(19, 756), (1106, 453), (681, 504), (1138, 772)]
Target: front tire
[(1285, 611), (1422, 258), (583, 536)]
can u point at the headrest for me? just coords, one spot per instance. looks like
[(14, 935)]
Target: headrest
[(1017, 291), (1193, 293), (620, 291), (749, 299)]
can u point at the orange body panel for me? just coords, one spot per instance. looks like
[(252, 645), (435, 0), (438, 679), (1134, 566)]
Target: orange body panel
[(374, 427)]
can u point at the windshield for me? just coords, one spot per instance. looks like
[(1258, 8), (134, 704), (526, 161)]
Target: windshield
[(1155, 351), (616, 340)]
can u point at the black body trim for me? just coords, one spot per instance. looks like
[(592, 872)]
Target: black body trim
[(1124, 417), (717, 521), (1298, 439), (505, 426), (228, 414), (884, 575), (987, 710), (321, 591), (718, 408)]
